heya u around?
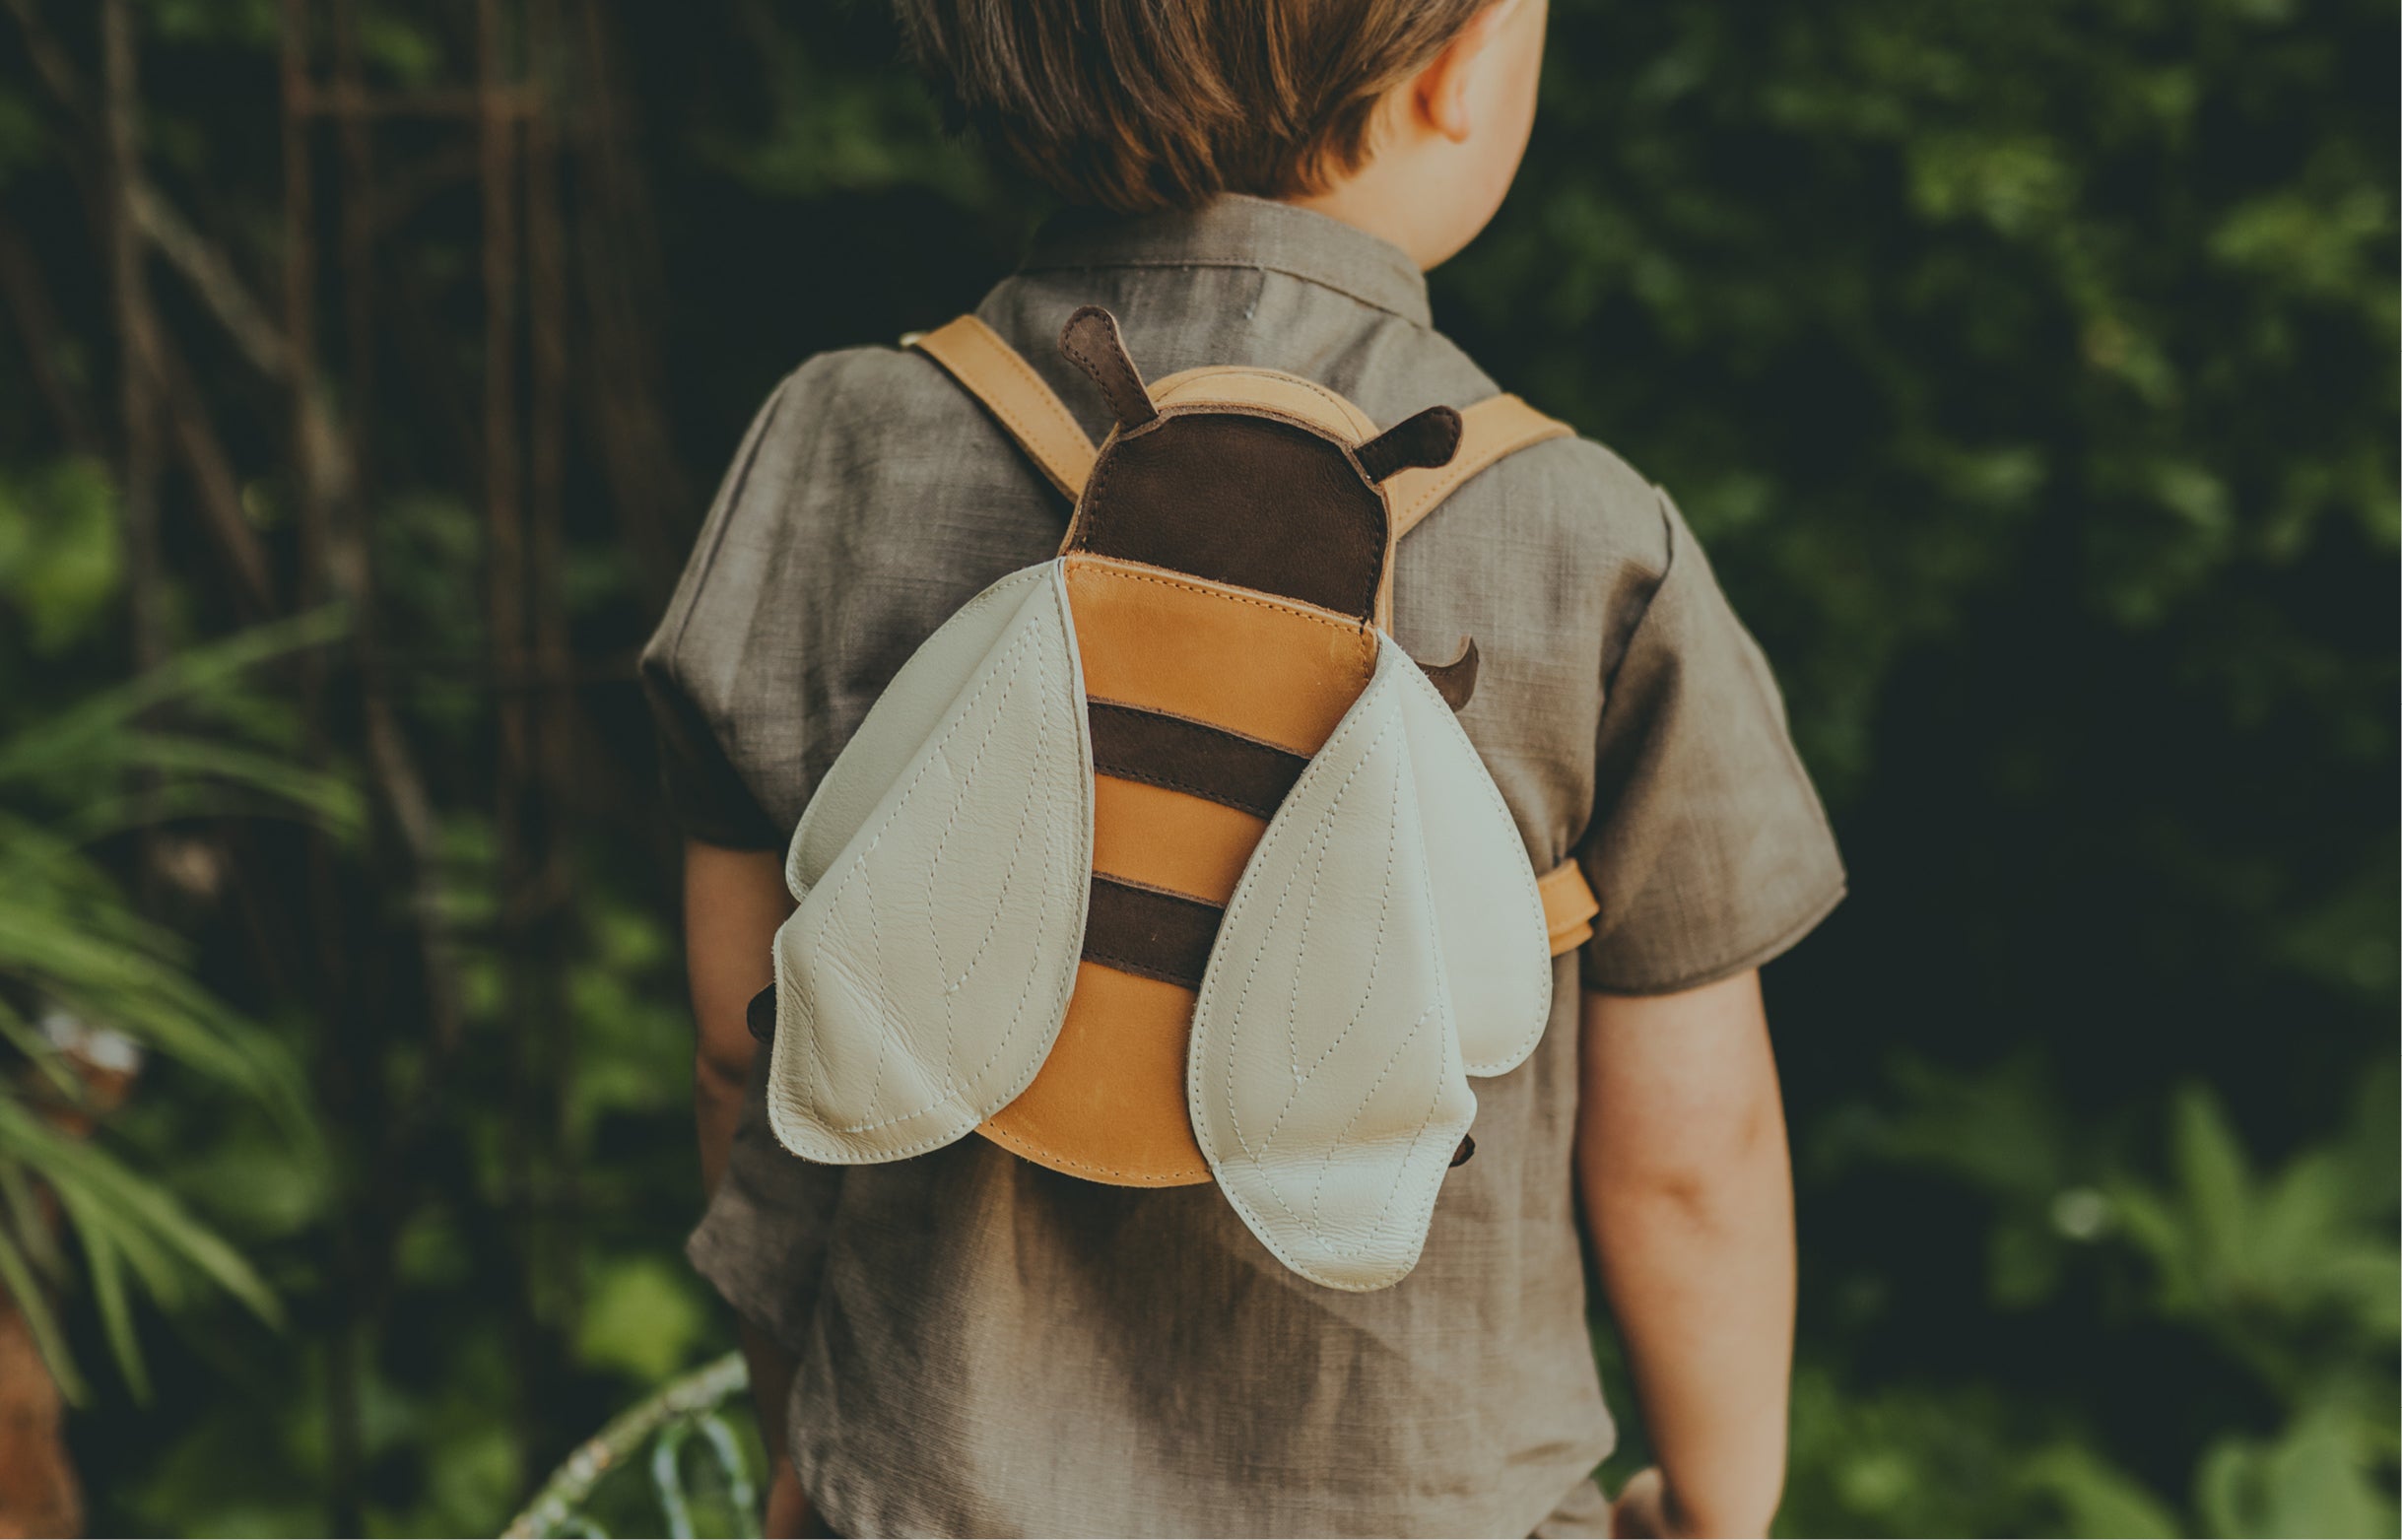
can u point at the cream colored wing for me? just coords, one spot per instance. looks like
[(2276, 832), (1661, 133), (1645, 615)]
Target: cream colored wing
[(941, 870), (1489, 914), (1327, 1081)]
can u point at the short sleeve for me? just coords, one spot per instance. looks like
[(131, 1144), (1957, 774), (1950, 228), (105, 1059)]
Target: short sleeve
[(1707, 849), (706, 795), (762, 1243)]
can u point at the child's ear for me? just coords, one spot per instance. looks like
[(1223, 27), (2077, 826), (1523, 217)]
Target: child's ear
[(1092, 342), (1440, 90), (1419, 442)]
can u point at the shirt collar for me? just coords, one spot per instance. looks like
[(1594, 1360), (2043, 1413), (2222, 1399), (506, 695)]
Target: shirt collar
[(1240, 232)]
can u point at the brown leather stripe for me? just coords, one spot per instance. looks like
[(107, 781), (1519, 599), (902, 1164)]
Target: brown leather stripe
[(1150, 932), (1194, 758)]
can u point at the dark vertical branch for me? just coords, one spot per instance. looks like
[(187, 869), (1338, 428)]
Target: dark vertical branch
[(313, 447), (352, 1057), (505, 534), (214, 485), (300, 308), (618, 264), (51, 63), (136, 336), (505, 556), (556, 719), (28, 302), (359, 208)]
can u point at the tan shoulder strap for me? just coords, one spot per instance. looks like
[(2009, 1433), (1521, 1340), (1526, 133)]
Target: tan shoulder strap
[(1489, 430), (1569, 905), (992, 371)]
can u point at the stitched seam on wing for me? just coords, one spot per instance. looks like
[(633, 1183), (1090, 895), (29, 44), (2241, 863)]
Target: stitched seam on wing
[(934, 865), (949, 1094), (945, 1137), (1250, 977), (884, 1038), (1439, 1004), (1308, 1224), (1376, 957), (888, 1038), (1005, 587), (1493, 799), (1401, 1169), (1007, 676), (1268, 844), (1375, 963), (1000, 906), (1384, 1270)]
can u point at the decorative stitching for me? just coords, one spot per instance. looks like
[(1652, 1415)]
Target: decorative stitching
[(1068, 959), (1241, 898), (1260, 1172), (1311, 1222), (1117, 568), (1319, 830), (1368, 988), (1533, 892), (832, 965), (888, 1042), (1091, 364), (1401, 1170), (1326, 822), (1005, 587), (1240, 372)]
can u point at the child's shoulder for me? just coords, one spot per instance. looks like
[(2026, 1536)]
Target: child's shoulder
[(874, 390), (1573, 495), (874, 415), (851, 433)]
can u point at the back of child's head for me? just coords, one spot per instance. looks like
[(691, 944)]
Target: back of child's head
[(1144, 105)]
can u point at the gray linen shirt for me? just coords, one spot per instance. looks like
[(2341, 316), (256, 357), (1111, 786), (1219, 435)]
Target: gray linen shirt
[(988, 1347)]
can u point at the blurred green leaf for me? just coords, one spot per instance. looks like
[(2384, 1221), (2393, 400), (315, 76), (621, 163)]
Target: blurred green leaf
[(2319, 1477), (643, 1318)]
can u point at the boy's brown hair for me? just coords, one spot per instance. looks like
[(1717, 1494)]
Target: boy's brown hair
[(1143, 105)]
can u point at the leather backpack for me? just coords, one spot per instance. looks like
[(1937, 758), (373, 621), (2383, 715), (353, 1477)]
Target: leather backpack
[(1161, 864)]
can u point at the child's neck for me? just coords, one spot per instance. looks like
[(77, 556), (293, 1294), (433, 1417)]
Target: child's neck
[(1363, 207)]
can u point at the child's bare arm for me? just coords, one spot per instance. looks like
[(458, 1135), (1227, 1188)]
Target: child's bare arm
[(733, 900), (1688, 1187)]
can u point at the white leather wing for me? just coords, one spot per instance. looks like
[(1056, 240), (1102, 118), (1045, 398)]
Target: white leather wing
[(941, 870), (1386, 942)]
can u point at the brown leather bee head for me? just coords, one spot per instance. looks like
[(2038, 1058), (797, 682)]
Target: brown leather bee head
[(1242, 492)]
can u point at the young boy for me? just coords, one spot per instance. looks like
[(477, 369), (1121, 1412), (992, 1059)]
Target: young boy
[(967, 1343)]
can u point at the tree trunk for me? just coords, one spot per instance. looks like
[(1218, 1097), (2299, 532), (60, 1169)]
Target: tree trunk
[(39, 1495)]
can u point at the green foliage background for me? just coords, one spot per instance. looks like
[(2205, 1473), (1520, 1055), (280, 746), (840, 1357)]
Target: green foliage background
[(2030, 371)]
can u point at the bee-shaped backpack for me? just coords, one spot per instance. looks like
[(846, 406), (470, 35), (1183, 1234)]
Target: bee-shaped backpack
[(1161, 862)]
